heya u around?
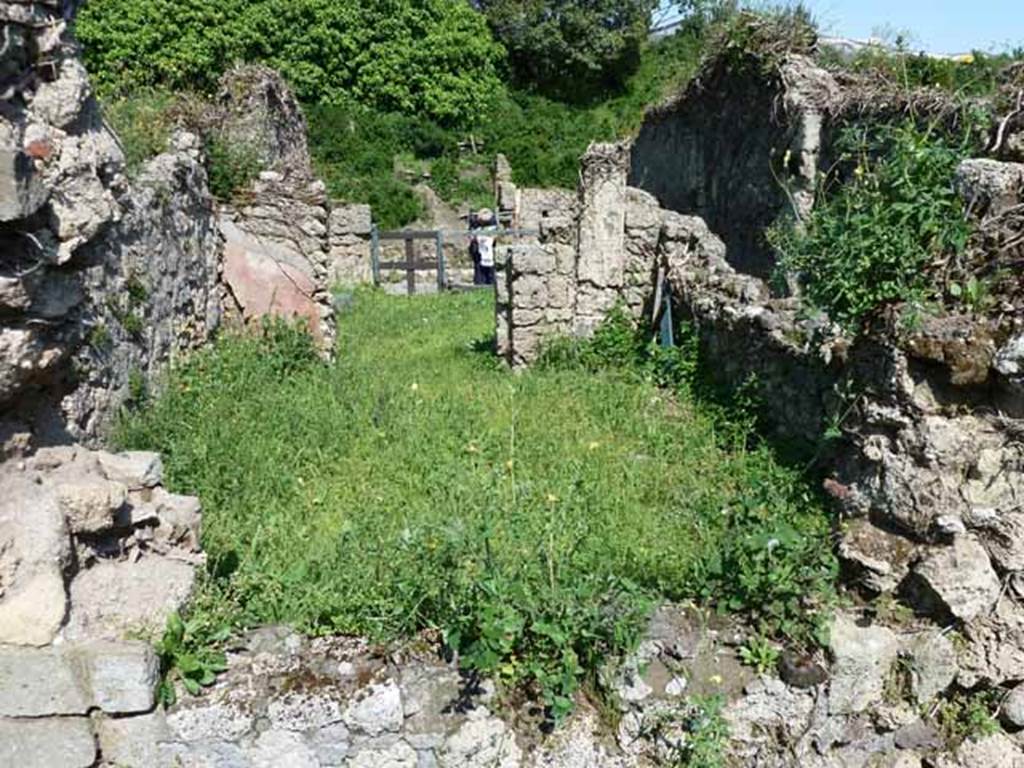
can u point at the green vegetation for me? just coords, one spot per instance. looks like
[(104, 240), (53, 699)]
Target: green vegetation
[(706, 734), (183, 659), (143, 123), (975, 74), (885, 219), (968, 716), (355, 147), (532, 518), (571, 48), (431, 58), (231, 168)]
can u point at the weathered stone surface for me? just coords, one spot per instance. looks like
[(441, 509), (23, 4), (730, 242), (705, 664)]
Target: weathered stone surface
[(378, 712), (225, 717), (862, 658), (399, 755), (70, 680), (769, 707), (123, 676), (881, 560), (121, 599), (134, 469), (134, 742), (38, 682), (259, 111), (91, 503), (331, 744), (933, 665), (1013, 707), (602, 215), (65, 742), (34, 551), (996, 751), (305, 711), (962, 577), (281, 749), (481, 742), (21, 189), (994, 651), (989, 187)]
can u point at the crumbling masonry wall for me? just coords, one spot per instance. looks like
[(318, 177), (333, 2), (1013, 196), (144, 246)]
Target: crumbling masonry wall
[(929, 470), (102, 278), (739, 148)]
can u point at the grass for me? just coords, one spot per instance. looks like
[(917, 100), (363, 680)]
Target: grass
[(416, 483)]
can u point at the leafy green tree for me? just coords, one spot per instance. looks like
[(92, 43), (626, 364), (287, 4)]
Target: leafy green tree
[(571, 48), (434, 58)]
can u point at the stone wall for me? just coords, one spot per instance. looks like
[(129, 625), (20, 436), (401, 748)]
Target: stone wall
[(87, 580), (739, 148), (594, 249), (103, 278), (286, 244), (927, 463)]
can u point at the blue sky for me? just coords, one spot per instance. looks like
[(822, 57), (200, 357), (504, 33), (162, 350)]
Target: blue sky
[(939, 26)]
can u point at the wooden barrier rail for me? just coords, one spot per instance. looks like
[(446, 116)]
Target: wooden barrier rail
[(411, 264)]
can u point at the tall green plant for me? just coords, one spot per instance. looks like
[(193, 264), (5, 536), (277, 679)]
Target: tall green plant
[(878, 230)]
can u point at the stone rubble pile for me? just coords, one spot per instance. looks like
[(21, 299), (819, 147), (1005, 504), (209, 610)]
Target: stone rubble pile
[(94, 557), (863, 714)]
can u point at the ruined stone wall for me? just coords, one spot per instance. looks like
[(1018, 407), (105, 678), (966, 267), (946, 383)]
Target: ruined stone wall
[(349, 230), (926, 462), (595, 249), (103, 278), (738, 149), (286, 244)]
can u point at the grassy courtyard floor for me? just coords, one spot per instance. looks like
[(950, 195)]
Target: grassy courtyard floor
[(416, 483)]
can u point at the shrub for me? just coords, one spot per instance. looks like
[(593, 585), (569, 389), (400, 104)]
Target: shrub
[(434, 58), (871, 240), (231, 167), (571, 48)]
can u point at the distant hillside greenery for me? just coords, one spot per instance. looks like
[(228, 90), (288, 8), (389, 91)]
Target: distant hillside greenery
[(432, 58), (447, 84)]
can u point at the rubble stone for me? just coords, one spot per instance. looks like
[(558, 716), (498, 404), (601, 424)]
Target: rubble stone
[(862, 658), (962, 576)]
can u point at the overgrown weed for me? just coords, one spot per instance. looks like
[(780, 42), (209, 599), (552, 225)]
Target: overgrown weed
[(414, 484)]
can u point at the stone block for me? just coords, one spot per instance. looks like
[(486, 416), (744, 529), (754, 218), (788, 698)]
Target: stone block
[(281, 749), (90, 503), (933, 665), (135, 469), (990, 187), (531, 260), (36, 682), (133, 742), (21, 191), (379, 711), (123, 676), (113, 600), (529, 292), (351, 219), (65, 742), (862, 658), (962, 577)]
